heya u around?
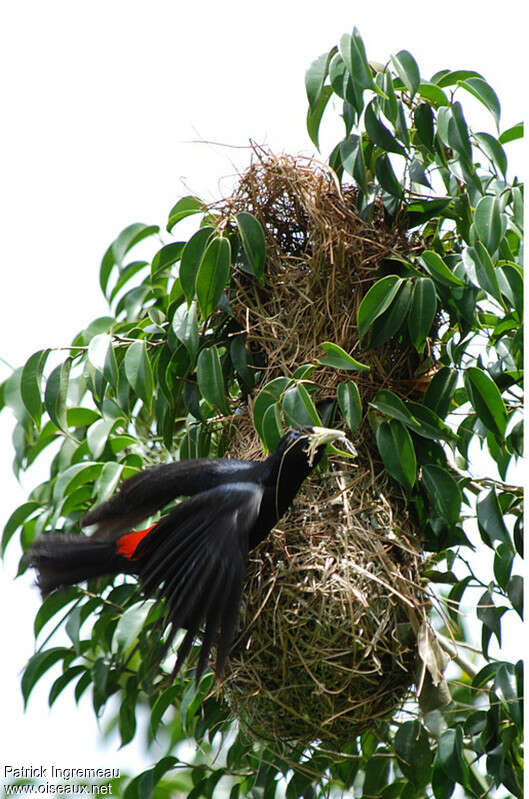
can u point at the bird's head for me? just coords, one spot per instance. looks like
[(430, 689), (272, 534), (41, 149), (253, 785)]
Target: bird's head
[(307, 444)]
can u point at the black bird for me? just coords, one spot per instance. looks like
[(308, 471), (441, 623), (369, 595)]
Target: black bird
[(195, 557)]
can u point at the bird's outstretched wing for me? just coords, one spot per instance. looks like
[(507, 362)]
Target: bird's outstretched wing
[(148, 491), (195, 559)]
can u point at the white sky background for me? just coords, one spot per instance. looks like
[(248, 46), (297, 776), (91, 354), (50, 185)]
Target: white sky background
[(100, 102)]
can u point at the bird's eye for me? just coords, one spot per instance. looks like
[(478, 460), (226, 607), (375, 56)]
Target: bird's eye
[(296, 433)]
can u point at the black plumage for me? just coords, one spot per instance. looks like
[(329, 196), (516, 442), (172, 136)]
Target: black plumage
[(195, 557)]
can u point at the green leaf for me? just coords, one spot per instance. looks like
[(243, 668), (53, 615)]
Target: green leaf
[(443, 491), (503, 560), (490, 519), (442, 785), (129, 237), (127, 712), (418, 175), (253, 242), (350, 404), (109, 478), (17, 518), (138, 371), (74, 476), (352, 156), (130, 624), (420, 212), (479, 263), (239, 359), (51, 605), (338, 358), (511, 134), (272, 427), (436, 267), (192, 255), (342, 83), (407, 70), (56, 393), (432, 93), (377, 774), (213, 274), (505, 687), (315, 77), (211, 380), (186, 206), (512, 286), (100, 325), (448, 78), (102, 357), (298, 784), (428, 424), (450, 754), (167, 698), (389, 105), (413, 752), (270, 393), (314, 117), (166, 257), (62, 681), (488, 223), (387, 402), (515, 439), (486, 400), (82, 684), (458, 136), (490, 616), (485, 94), (493, 150), (386, 176), (422, 312), (353, 53), (126, 274), (379, 134), (38, 665), (115, 254), (299, 408), (97, 436), (515, 593), (387, 325), (376, 301), (185, 327), (423, 119), (73, 626), (108, 263), (439, 393), (30, 384), (100, 672), (12, 397), (402, 125), (397, 452)]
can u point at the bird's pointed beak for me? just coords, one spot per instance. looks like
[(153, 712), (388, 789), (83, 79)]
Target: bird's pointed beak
[(320, 436)]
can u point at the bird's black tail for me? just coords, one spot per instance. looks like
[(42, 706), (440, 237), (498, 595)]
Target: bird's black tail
[(61, 560), (193, 560)]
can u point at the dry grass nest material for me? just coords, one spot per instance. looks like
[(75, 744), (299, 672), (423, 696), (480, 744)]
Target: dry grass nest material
[(322, 257), (331, 601)]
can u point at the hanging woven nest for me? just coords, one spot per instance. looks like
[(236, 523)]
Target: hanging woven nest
[(322, 257), (332, 602), (334, 596)]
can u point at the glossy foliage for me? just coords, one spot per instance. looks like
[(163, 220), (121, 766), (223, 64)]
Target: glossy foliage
[(162, 374)]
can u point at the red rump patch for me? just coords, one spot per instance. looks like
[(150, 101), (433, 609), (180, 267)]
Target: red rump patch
[(127, 544)]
